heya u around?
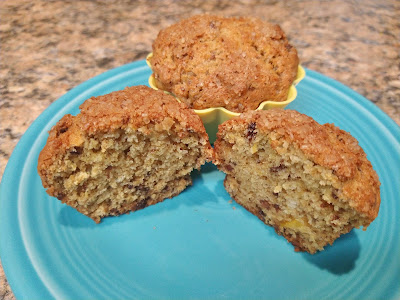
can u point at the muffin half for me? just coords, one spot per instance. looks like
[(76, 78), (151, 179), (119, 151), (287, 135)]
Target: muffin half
[(311, 182), (122, 152)]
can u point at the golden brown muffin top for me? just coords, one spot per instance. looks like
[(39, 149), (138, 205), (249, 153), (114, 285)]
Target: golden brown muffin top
[(134, 107), (325, 145), (236, 63)]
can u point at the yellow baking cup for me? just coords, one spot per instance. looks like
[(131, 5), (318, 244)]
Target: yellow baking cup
[(214, 116)]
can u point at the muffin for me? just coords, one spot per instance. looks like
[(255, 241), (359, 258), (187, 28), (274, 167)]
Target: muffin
[(124, 151), (235, 63), (311, 182)]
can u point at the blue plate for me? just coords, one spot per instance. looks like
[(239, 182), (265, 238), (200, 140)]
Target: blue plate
[(198, 244)]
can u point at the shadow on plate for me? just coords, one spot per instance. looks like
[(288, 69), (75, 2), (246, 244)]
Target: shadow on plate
[(220, 191), (206, 168), (70, 217), (198, 193), (339, 258), (191, 196)]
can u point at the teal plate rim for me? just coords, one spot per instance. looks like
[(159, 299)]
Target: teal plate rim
[(199, 244)]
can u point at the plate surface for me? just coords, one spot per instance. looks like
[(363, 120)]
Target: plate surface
[(198, 244)]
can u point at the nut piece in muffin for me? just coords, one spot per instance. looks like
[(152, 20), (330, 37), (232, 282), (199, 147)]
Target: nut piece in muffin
[(237, 63), (311, 182), (124, 151)]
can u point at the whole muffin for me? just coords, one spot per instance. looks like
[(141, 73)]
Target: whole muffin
[(311, 182), (122, 152), (237, 63)]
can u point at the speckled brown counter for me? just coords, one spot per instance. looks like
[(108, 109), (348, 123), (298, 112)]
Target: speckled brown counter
[(47, 48)]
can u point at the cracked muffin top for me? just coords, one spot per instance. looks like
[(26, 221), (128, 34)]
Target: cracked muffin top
[(212, 61)]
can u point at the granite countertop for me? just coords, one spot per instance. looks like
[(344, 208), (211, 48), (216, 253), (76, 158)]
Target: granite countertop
[(47, 48)]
